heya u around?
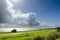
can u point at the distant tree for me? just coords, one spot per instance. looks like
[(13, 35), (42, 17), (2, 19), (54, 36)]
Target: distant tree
[(14, 30), (58, 29)]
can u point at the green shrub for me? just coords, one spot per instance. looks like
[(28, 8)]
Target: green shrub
[(53, 36), (58, 29), (38, 38)]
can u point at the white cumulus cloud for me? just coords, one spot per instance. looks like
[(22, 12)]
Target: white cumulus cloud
[(9, 16)]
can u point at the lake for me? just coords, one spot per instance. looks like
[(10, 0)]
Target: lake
[(18, 29)]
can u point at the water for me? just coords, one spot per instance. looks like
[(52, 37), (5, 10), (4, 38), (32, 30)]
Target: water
[(18, 29)]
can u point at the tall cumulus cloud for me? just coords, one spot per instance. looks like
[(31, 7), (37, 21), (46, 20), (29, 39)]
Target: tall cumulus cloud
[(9, 17)]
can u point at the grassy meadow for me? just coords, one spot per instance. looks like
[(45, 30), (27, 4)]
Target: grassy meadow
[(42, 34)]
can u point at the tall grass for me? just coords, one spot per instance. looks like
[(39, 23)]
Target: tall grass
[(49, 34)]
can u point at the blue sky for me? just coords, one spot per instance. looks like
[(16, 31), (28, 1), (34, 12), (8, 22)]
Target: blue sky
[(47, 10), (24, 12)]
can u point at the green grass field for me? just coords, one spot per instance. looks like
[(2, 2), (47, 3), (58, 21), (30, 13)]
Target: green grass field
[(27, 35)]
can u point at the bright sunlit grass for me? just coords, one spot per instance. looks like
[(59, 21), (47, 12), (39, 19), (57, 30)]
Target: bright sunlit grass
[(25, 35)]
